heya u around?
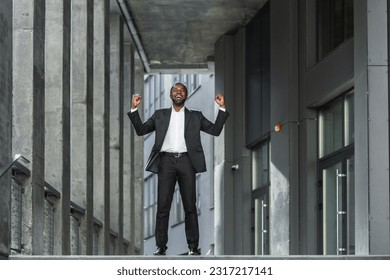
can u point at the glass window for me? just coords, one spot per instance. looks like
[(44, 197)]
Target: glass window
[(260, 198), (331, 128), (349, 119), (150, 205), (336, 124), (178, 210), (335, 24), (257, 80), (177, 207), (336, 170), (262, 225), (260, 166)]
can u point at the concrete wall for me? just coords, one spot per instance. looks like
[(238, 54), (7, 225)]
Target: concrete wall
[(233, 213), (57, 115), (28, 113), (82, 116), (284, 110), (116, 125), (372, 133), (5, 123), (60, 122), (101, 125), (223, 149), (137, 166), (299, 86)]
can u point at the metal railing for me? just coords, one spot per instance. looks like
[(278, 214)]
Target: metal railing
[(15, 159)]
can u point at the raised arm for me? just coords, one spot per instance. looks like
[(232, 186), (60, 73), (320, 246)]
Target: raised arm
[(140, 127)]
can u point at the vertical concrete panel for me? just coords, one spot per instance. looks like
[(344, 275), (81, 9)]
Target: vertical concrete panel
[(377, 32), (138, 166), (371, 135), (101, 119), (308, 186), (5, 123), (307, 136), (378, 126), (131, 222), (284, 145), (57, 116), (223, 150), (82, 116), (28, 113), (128, 203), (242, 156), (116, 126), (361, 131)]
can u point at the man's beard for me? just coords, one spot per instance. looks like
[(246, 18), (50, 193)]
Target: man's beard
[(179, 102)]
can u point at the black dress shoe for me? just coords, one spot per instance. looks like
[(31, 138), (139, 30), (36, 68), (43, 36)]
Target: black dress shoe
[(194, 252), (161, 251)]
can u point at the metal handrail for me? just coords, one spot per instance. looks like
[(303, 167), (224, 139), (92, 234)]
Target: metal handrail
[(15, 159)]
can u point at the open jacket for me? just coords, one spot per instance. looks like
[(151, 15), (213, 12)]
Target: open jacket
[(194, 123)]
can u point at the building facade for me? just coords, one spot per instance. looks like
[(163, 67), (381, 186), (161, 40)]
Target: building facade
[(309, 133), (72, 183), (301, 168)]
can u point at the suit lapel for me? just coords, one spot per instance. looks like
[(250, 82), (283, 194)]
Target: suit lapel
[(167, 119), (187, 116)]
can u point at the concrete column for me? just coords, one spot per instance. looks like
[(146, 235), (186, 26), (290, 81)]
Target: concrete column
[(28, 113), (242, 177), (101, 123), (57, 116), (223, 147), (82, 116), (116, 127), (137, 168), (372, 225), (128, 189), (284, 219), (5, 123)]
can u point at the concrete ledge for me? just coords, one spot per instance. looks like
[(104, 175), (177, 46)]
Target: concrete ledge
[(229, 257)]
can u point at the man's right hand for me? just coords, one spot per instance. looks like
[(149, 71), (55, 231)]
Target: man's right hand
[(136, 100)]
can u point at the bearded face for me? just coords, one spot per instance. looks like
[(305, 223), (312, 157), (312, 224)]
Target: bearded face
[(178, 94)]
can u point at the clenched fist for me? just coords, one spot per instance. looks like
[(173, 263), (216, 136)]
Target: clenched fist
[(220, 100), (136, 100)]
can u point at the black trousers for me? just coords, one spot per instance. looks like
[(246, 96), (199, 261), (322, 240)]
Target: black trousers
[(171, 170)]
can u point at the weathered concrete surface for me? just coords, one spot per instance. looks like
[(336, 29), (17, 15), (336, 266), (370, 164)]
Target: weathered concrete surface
[(28, 113), (57, 118), (6, 120)]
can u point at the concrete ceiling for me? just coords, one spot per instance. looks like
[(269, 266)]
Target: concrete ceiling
[(180, 34)]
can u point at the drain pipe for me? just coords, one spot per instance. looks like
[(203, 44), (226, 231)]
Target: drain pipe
[(134, 34)]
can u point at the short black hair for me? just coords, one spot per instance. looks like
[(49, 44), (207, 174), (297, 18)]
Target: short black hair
[(178, 83)]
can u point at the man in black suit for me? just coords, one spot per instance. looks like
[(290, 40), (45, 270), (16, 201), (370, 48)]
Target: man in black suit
[(177, 155)]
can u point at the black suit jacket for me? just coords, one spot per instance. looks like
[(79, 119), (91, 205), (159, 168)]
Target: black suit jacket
[(194, 123)]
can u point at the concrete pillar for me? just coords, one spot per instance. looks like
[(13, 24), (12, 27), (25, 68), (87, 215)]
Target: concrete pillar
[(284, 219), (57, 116), (128, 189), (243, 176), (5, 123), (28, 113), (137, 159), (82, 116), (116, 127), (372, 225), (223, 147), (101, 123)]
